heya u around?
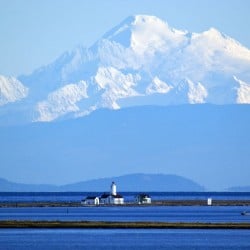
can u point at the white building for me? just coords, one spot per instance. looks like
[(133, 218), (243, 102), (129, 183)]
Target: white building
[(112, 197), (143, 199), (91, 200)]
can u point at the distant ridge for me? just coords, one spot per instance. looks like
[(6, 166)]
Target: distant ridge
[(7, 186), (138, 182), (239, 189), (126, 183)]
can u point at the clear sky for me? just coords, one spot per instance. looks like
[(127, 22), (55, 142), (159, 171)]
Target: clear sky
[(34, 33)]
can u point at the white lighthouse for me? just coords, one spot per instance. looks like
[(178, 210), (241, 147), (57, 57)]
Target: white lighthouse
[(113, 189)]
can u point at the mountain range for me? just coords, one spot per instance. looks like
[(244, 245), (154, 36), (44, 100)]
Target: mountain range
[(141, 61), (126, 183)]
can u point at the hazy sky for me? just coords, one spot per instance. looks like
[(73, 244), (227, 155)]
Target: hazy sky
[(34, 33)]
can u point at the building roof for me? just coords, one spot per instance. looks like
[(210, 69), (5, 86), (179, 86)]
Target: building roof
[(117, 196), (91, 197), (143, 195), (104, 196)]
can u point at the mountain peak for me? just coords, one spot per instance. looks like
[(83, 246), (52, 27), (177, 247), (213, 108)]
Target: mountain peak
[(134, 20), (141, 61), (142, 32), (146, 19), (213, 32)]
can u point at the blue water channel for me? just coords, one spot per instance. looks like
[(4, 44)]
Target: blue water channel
[(124, 213)]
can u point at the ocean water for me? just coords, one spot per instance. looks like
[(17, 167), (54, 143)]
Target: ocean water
[(20, 239), (128, 196)]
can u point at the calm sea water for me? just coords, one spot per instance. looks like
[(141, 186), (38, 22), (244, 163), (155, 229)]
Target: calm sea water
[(129, 196), (20, 239)]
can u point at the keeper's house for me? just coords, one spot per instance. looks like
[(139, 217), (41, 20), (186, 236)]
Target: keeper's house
[(91, 200)]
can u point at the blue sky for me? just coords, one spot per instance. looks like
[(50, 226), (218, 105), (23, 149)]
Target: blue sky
[(34, 33)]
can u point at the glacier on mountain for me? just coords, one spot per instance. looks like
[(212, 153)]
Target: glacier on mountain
[(61, 101), (140, 61), (243, 91), (197, 93), (158, 86)]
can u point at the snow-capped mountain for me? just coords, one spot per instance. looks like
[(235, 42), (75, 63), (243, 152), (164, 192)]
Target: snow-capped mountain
[(142, 61)]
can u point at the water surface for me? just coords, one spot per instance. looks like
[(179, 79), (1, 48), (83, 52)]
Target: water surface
[(123, 213), (21, 239)]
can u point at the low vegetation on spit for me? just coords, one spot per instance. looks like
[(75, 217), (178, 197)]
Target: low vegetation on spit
[(154, 203), (120, 225)]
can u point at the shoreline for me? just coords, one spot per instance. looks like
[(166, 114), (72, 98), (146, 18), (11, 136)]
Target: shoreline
[(7, 224), (154, 203)]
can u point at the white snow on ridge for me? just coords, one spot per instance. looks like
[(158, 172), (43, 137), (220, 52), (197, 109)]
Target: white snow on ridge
[(197, 93), (150, 34), (113, 54), (212, 50), (116, 85), (11, 90), (243, 92), (61, 101), (109, 77), (158, 86)]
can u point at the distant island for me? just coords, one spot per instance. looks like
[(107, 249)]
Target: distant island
[(127, 183), (138, 182), (239, 189)]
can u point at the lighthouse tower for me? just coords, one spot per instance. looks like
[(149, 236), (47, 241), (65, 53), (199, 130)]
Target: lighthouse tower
[(113, 189), (113, 197)]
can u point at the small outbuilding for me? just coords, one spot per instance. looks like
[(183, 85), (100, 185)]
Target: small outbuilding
[(143, 199)]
